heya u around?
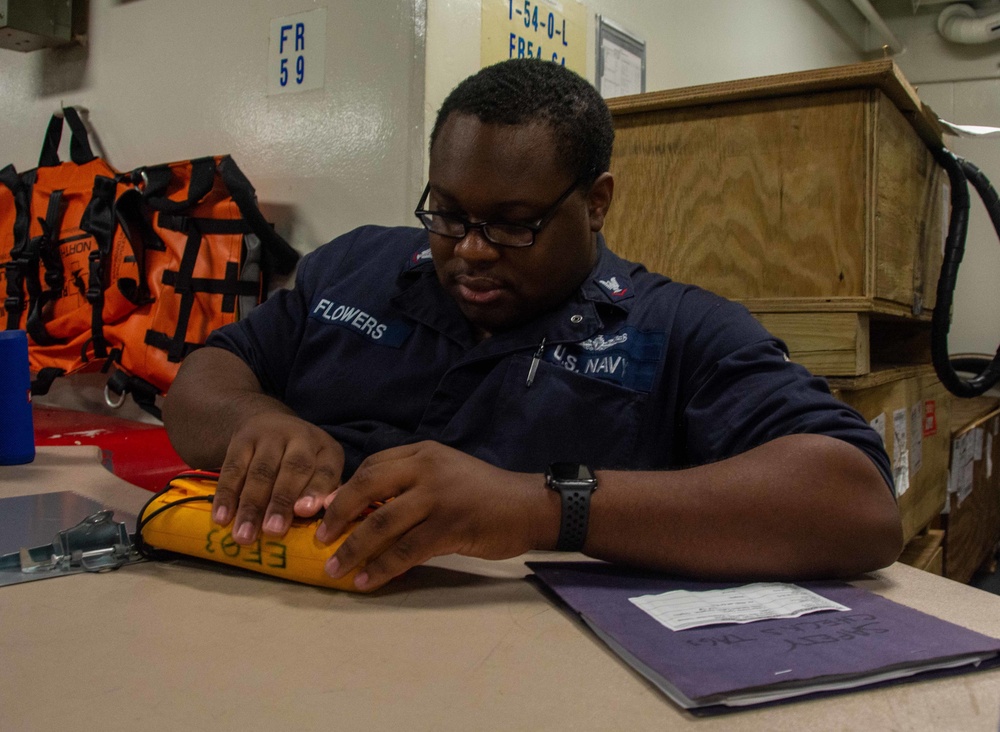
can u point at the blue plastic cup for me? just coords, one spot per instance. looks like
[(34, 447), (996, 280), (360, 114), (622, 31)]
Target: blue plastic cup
[(17, 431)]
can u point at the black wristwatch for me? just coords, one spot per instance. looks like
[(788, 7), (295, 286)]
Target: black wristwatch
[(574, 482)]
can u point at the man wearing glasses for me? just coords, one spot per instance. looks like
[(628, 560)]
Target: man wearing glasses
[(511, 384)]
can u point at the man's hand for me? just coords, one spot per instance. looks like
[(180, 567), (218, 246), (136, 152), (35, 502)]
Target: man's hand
[(443, 502), (276, 465)]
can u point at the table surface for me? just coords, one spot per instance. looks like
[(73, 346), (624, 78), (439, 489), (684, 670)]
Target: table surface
[(459, 644)]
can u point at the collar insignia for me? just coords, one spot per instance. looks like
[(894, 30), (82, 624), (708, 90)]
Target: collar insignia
[(614, 289)]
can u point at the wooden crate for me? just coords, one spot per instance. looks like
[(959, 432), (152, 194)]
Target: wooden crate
[(849, 343), (811, 192), (911, 409), (925, 552), (972, 522)]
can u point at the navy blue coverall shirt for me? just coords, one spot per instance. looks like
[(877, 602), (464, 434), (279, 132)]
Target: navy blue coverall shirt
[(637, 372)]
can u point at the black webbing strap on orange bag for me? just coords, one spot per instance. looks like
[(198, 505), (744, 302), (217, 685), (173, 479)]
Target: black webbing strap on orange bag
[(44, 248), (138, 230), (159, 177), (99, 221), (80, 151), (278, 255)]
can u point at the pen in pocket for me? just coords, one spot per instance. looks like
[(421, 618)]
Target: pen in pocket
[(534, 363)]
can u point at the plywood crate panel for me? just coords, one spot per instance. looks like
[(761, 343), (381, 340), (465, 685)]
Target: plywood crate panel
[(911, 408), (849, 343), (925, 552), (807, 192), (972, 522)]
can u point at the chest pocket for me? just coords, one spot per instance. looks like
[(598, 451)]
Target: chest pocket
[(562, 416), (354, 364), (628, 357), (365, 322)]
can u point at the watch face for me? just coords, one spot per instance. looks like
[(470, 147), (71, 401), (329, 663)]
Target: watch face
[(571, 472)]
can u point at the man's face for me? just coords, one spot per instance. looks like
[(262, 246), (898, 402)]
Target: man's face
[(508, 174)]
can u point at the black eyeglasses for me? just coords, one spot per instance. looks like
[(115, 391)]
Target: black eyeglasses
[(499, 233)]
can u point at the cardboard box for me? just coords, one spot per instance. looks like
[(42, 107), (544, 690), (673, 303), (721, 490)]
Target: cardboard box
[(911, 409), (801, 195), (972, 519)]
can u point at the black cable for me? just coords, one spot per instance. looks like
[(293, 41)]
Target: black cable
[(970, 364), (960, 172), (146, 551)]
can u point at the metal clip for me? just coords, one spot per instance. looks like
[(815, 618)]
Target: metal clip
[(96, 544), (111, 402)]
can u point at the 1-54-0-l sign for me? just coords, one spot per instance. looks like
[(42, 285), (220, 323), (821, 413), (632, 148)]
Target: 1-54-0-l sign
[(552, 30), (297, 55)]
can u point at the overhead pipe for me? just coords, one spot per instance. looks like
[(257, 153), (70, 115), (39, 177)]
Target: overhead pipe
[(960, 23), (872, 16)]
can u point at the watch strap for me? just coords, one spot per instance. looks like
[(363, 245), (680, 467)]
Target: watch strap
[(575, 518)]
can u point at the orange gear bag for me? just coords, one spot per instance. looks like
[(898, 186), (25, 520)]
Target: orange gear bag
[(62, 250), (207, 253), (133, 269)]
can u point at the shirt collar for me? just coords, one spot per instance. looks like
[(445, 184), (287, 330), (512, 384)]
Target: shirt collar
[(609, 281), (421, 297)]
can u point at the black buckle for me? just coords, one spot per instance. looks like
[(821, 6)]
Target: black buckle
[(95, 293), (21, 262)]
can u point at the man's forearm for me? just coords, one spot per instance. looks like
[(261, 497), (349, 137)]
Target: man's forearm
[(213, 394), (801, 506)]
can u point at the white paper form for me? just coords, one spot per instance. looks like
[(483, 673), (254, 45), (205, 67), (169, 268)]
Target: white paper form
[(916, 437), (622, 71), (683, 609), (900, 451), (878, 424), (963, 459), (970, 130)]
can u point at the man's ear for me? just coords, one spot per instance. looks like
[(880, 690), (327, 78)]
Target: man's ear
[(599, 200)]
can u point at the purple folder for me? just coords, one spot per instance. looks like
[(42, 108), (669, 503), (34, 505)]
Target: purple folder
[(740, 665)]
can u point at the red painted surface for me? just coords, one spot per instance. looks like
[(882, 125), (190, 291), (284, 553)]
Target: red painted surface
[(136, 452)]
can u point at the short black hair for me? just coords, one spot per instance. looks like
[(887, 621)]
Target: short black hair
[(524, 90)]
